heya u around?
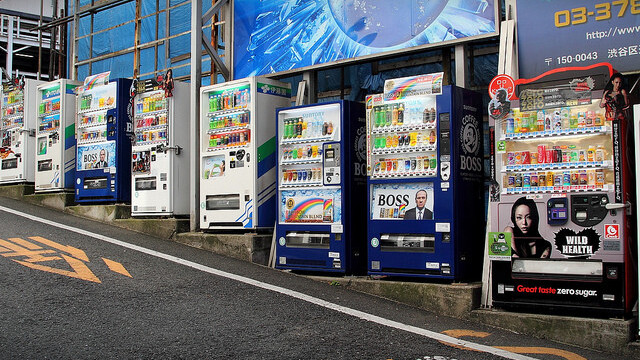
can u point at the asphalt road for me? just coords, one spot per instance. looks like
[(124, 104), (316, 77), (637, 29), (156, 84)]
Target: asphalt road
[(77, 289)]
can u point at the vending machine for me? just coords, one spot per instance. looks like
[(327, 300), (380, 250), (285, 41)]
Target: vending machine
[(103, 129), (559, 237), (238, 145), (160, 154), (18, 127), (425, 180), (55, 164), (321, 188)]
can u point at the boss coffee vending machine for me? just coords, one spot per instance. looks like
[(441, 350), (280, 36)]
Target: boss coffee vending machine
[(425, 180), (104, 130), (559, 236)]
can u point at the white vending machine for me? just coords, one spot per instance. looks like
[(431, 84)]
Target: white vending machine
[(55, 164), (238, 153), (18, 131), (160, 153)]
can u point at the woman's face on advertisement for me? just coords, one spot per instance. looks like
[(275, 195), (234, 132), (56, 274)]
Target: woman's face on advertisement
[(523, 218), (616, 83)]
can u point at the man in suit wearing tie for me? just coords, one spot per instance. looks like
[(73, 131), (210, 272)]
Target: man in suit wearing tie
[(420, 212), (102, 163)]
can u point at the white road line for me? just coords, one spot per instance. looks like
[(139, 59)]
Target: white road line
[(284, 291)]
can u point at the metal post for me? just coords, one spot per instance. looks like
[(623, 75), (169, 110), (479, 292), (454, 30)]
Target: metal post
[(312, 89), (194, 112), (462, 66), (10, 45)]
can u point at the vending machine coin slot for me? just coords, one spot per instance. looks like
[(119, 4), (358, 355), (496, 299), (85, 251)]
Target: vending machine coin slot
[(557, 211), (445, 134), (588, 210), (331, 163)]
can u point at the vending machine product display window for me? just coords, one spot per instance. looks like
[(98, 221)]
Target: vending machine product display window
[(425, 180), (559, 204), (321, 152)]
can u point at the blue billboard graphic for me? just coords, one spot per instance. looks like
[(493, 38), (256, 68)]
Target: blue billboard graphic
[(281, 35), (556, 34)]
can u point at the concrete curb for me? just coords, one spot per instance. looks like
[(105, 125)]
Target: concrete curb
[(248, 247), (611, 335)]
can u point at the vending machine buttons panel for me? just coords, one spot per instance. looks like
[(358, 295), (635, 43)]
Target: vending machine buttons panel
[(557, 211), (588, 210), (331, 163)]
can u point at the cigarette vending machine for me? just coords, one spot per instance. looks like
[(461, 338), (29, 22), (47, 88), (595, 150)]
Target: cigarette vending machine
[(425, 180), (559, 237), (17, 130), (321, 187), (55, 164), (160, 153), (103, 130), (238, 145)]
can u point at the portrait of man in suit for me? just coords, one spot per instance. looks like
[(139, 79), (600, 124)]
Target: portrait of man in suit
[(420, 212), (102, 163)]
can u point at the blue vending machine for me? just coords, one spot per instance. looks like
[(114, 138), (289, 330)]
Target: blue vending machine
[(321, 188), (425, 180), (103, 129)]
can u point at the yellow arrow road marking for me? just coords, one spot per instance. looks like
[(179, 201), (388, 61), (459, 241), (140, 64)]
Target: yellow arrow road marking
[(116, 267), (458, 333), (75, 252), (81, 271)]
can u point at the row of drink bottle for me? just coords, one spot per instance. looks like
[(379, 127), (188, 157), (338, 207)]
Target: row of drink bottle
[(13, 110), (222, 122), (405, 165), (396, 115), (591, 177), (298, 176), (556, 154), (554, 119), (155, 102), (95, 119), (50, 124), (13, 97), (300, 128), (12, 122), (148, 121), (49, 106), (303, 152), (86, 102), (234, 138), (151, 135), (229, 99), (408, 140), (95, 135)]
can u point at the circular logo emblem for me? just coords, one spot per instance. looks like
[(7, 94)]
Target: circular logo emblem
[(375, 242), (201, 205), (282, 241), (470, 135), (290, 203), (502, 81), (361, 145)]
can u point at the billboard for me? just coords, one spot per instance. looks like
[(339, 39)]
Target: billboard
[(556, 34), (278, 36)]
